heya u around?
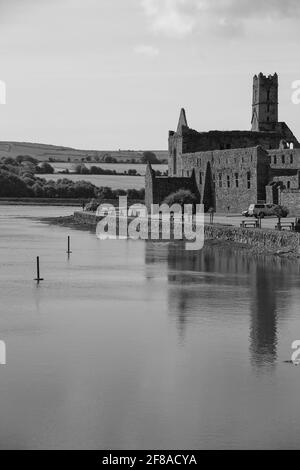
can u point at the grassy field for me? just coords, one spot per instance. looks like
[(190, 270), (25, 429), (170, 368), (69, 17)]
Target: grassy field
[(45, 152), (111, 181)]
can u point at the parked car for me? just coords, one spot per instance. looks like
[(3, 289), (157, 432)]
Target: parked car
[(245, 213), (260, 210)]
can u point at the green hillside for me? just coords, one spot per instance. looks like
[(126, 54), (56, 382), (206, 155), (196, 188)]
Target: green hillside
[(53, 153)]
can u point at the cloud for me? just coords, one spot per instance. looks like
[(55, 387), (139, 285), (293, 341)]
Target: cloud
[(148, 51), (170, 17), (245, 9), (180, 18)]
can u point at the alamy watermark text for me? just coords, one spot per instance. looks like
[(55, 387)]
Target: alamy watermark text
[(136, 222), (2, 92), (296, 93)]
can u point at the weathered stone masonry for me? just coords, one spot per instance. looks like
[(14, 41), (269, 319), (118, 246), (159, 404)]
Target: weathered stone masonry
[(228, 170), (229, 179)]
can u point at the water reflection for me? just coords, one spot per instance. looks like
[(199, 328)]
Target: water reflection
[(263, 323), (225, 284), (271, 285), (133, 345)]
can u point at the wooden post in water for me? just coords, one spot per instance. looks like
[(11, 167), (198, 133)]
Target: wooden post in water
[(38, 278), (69, 246)]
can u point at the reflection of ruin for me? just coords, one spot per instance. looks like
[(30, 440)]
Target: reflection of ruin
[(270, 283), (217, 281), (263, 328)]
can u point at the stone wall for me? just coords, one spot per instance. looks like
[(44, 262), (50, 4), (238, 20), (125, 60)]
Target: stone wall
[(239, 176), (287, 135), (163, 186), (289, 181), (228, 180), (272, 194), (269, 241), (264, 241), (175, 154), (149, 178), (191, 141), (159, 187), (291, 200), (285, 158), (219, 140), (228, 166)]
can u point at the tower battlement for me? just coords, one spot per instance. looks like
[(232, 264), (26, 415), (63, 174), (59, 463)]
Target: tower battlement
[(265, 103)]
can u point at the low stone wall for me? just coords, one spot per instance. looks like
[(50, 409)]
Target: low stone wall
[(262, 240)]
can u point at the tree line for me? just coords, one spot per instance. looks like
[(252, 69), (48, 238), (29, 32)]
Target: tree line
[(19, 178)]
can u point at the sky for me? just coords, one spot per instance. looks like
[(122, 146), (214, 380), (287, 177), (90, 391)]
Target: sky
[(110, 74)]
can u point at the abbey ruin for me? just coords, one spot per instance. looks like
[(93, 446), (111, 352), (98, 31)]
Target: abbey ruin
[(228, 170)]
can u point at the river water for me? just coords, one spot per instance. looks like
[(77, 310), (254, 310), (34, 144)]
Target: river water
[(133, 344)]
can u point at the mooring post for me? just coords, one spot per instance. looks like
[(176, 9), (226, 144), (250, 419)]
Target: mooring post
[(69, 246), (38, 278)]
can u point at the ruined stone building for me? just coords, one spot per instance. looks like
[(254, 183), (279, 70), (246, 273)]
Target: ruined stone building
[(228, 170)]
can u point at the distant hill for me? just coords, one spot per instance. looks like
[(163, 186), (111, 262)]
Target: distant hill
[(54, 153)]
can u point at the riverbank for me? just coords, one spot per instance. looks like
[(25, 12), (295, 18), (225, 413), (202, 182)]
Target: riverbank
[(72, 202), (255, 241), (36, 201)]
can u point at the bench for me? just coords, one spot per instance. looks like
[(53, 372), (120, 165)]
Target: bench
[(247, 224), (285, 226)]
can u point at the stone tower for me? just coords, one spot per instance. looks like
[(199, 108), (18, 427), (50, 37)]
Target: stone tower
[(265, 103)]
